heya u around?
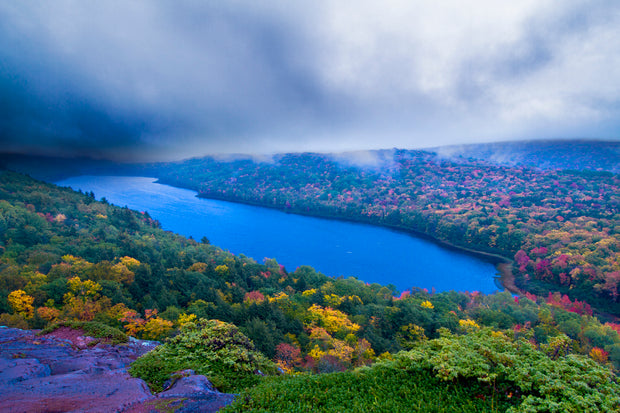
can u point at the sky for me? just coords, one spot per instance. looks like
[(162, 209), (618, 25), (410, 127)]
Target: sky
[(165, 80)]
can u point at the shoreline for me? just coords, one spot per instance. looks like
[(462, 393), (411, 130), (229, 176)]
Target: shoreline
[(507, 278), (502, 264)]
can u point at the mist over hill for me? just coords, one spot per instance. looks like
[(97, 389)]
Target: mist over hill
[(64, 256), (556, 154), (563, 154)]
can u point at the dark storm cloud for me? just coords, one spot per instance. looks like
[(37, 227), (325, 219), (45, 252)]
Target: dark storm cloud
[(99, 78), (170, 79)]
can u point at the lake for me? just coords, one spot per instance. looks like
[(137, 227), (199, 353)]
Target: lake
[(335, 248)]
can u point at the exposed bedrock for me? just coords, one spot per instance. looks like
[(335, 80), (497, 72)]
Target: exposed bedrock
[(60, 372)]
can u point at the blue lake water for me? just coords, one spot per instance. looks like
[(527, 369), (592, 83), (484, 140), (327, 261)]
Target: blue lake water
[(369, 253)]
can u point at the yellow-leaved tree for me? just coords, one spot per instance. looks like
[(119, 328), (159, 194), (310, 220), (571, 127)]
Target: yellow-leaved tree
[(334, 321), (21, 303), (83, 300)]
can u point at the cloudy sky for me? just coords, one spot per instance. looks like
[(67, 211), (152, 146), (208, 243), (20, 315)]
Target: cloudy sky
[(174, 79)]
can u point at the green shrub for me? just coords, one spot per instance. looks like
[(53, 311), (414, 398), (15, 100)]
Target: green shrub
[(213, 348), (384, 387), (92, 329), (483, 370), (14, 321), (545, 379)]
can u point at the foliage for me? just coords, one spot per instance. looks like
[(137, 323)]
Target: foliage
[(383, 387), (13, 320), (87, 260), (333, 321), (542, 379), (152, 327), (560, 226), (21, 303), (213, 348), (92, 329)]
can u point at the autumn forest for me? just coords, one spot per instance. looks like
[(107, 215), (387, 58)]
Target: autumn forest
[(67, 257)]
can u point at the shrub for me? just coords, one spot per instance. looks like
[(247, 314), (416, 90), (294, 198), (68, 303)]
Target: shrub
[(213, 348), (13, 320), (483, 370), (92, 329), (383, 387), (545, 379)]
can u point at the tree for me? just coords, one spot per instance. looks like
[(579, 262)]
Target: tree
[(155, 327), (21, 303), (333, 321), (83, 300), (288, 356)]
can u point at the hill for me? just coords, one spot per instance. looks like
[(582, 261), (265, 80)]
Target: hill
[(67, 257), (560, 227), (555, 154), (50, 168), (482, 197), (562, 223)]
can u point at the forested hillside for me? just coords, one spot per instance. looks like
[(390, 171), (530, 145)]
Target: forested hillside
[(67, 257), (561, 227), (553, 154)]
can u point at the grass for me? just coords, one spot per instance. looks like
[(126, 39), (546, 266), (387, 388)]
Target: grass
[(92, 329)]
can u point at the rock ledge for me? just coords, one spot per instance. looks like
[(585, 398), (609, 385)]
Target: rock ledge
[(63, 372)]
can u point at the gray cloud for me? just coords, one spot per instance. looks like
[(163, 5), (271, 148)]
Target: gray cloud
[(166, 79)]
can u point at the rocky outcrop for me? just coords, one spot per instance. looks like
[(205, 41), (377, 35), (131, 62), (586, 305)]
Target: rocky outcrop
[(61, 372)]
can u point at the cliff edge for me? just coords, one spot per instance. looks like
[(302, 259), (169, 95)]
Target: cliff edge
[(66, 371)]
